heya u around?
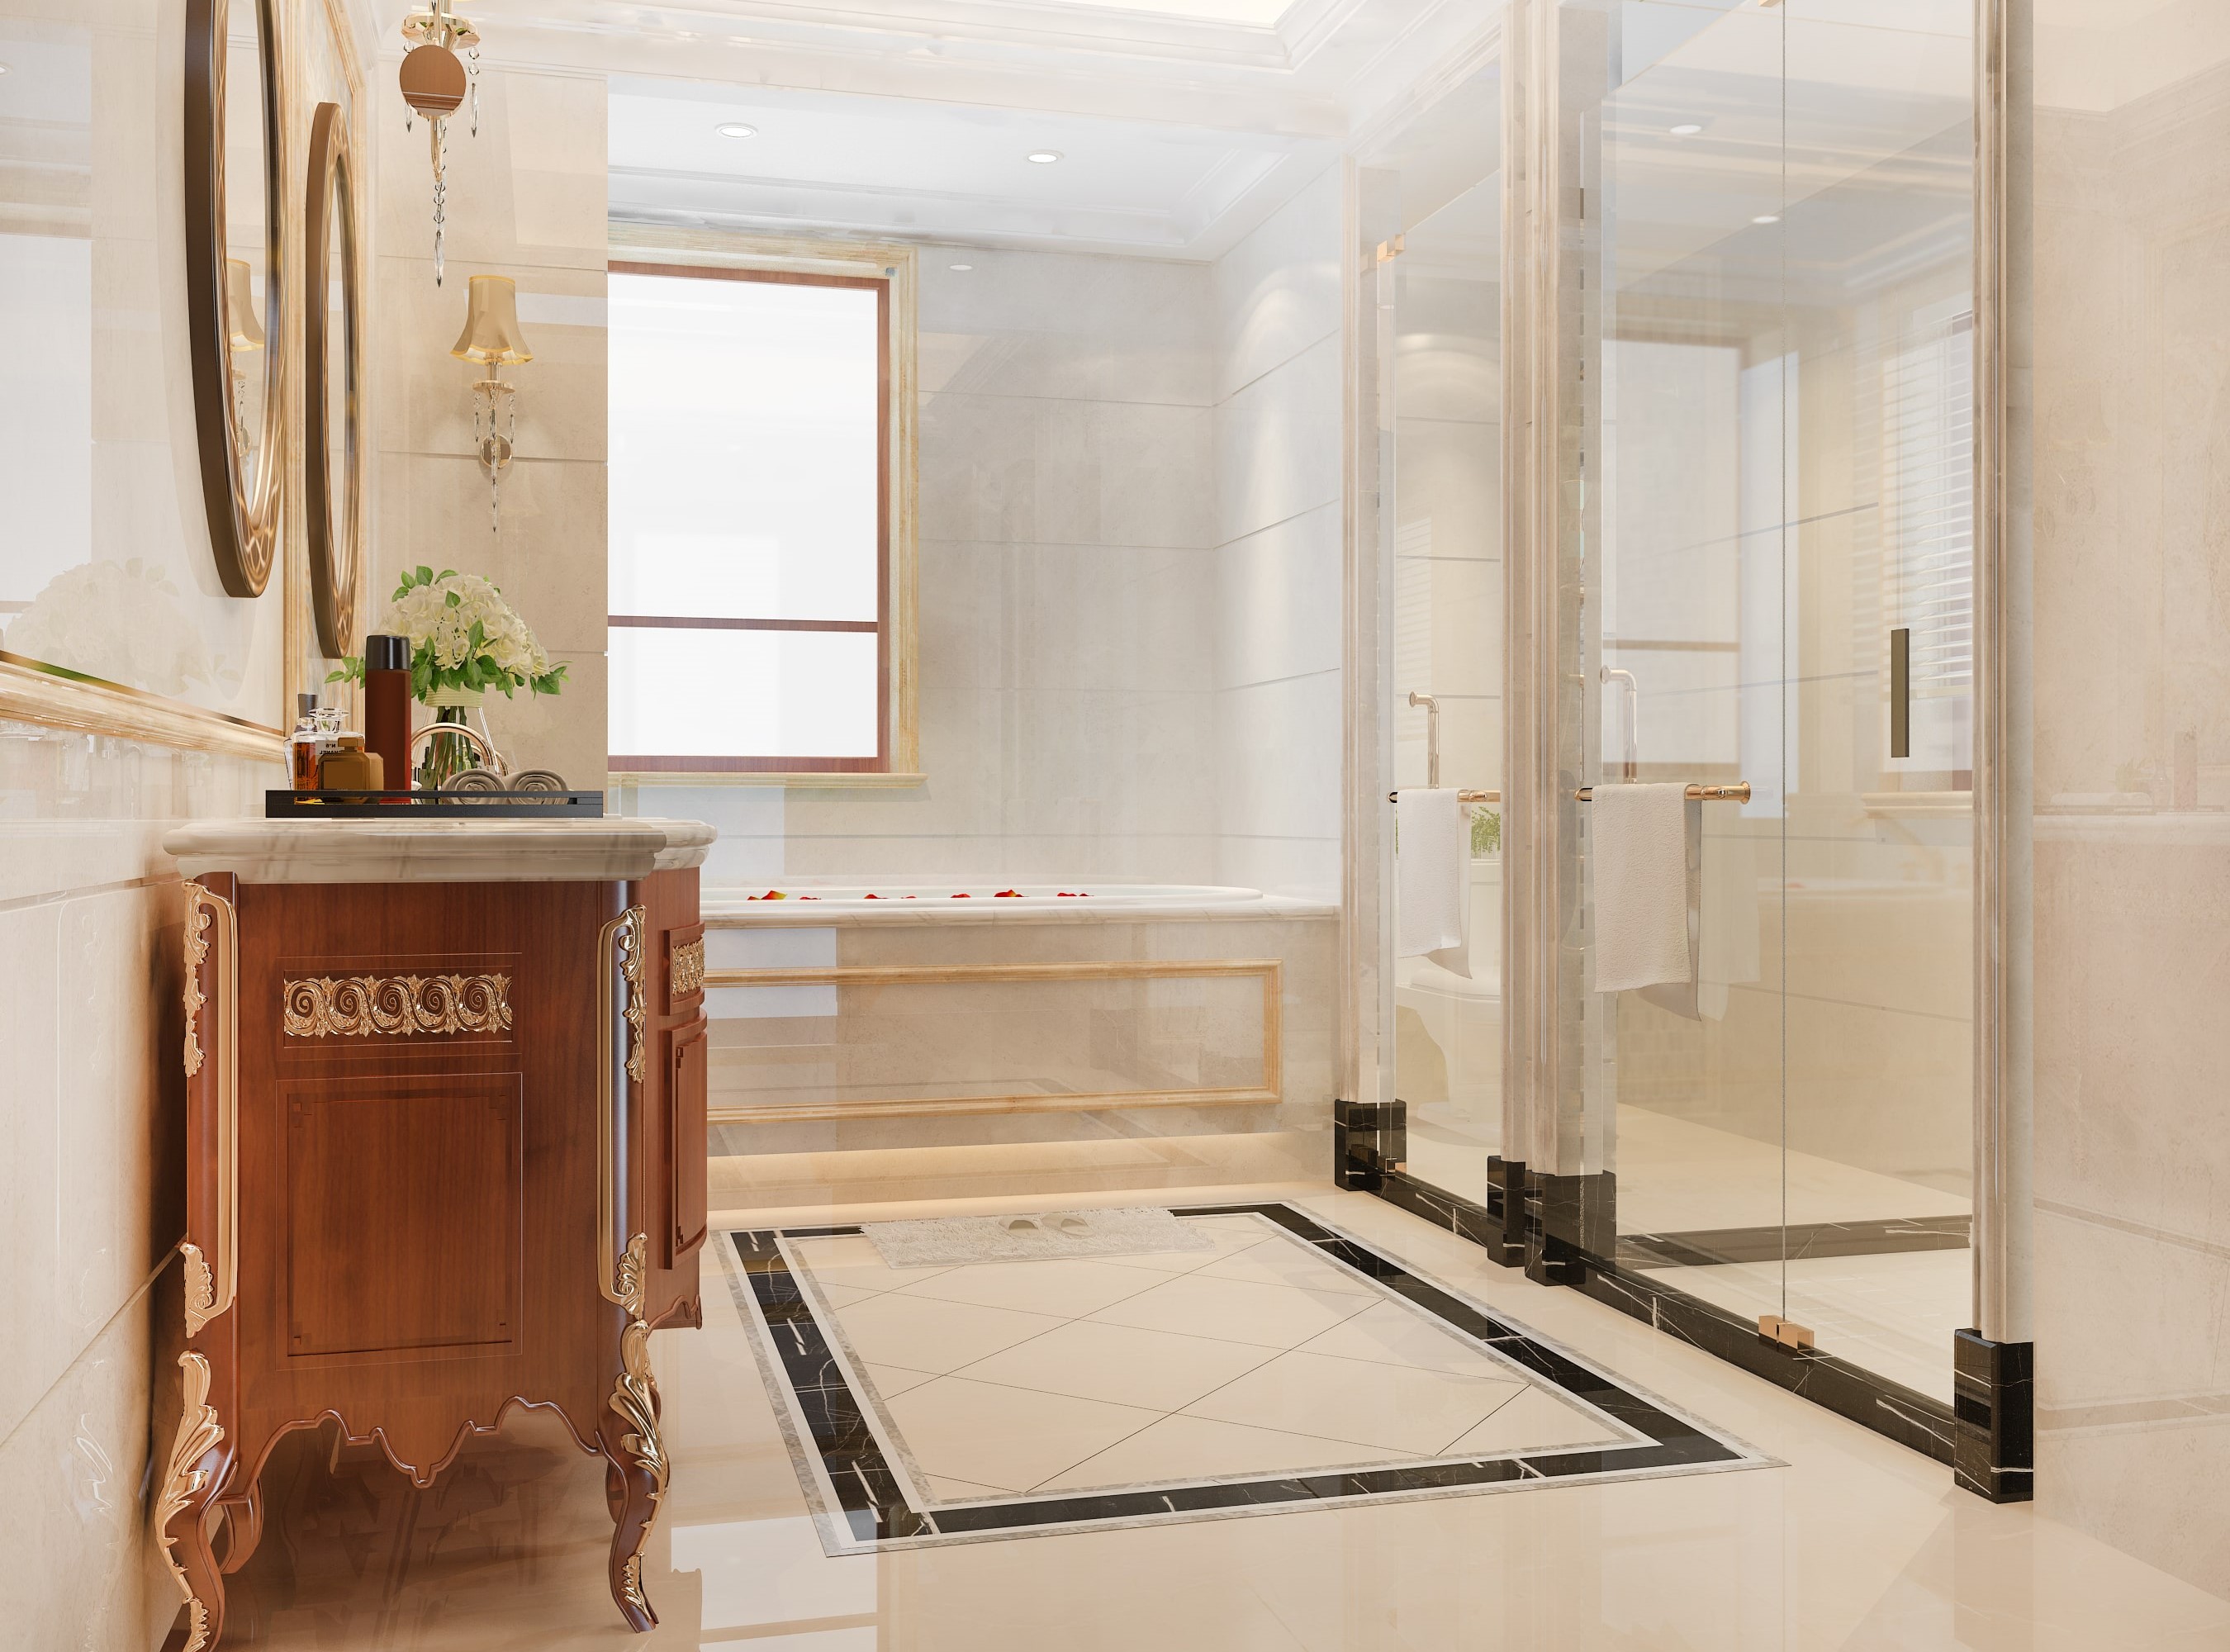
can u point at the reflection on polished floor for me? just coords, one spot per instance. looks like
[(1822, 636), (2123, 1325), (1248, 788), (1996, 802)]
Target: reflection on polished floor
[(1855, 1543), (1891, 1310)]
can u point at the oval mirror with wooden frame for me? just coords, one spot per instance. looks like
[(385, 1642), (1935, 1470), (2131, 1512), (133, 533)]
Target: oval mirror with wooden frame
[(332, 354), (237, 203)]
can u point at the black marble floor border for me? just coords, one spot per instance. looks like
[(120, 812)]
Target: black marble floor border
[(874, 1510), (1798, 1242), (1904, 1415)]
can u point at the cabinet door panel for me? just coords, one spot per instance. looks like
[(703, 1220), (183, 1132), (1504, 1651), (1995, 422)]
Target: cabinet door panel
[(687, 1079), (403, 1216)]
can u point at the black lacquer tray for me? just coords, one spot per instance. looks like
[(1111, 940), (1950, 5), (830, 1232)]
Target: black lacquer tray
[(280, 804)]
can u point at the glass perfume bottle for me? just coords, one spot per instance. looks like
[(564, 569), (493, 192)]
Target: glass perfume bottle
[(304, 746)]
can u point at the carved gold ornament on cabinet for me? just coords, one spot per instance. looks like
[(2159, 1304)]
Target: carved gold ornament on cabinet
[(688, 972), (397, 1005), (199, 1433)]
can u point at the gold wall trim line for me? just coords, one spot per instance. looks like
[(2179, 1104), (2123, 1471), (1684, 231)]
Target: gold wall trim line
[(32, 691)]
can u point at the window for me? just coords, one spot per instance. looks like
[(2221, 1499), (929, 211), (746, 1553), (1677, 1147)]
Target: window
[(1928, 438), (759, 568)]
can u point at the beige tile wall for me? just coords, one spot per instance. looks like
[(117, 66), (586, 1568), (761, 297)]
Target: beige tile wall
[(2131, 639), (91, 1150)]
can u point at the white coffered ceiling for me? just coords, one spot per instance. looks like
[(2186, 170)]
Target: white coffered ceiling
[(1181, 123)]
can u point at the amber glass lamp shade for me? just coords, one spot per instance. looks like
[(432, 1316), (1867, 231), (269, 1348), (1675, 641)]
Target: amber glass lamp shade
[(492, 331), (246, 331)]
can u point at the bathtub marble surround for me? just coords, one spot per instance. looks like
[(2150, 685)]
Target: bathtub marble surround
[(1115, 1025), (1287, 1365), (980, 900)]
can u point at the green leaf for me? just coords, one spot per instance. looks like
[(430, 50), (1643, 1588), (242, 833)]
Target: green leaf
[(425, 575), (455, 601), (446, 573)]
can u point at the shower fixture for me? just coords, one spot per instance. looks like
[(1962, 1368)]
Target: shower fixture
[(1632, 765)]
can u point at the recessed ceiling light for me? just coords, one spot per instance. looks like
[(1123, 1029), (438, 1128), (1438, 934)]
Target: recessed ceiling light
[(1767, 217), (1687, 129), (1042, 156), (960, 266), (736, 129)]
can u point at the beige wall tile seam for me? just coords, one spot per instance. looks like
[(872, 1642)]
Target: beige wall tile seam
[(1237, 391), (1294, 676), (2138, 1229), (1333, 503), (90, 1343), (86, 891)]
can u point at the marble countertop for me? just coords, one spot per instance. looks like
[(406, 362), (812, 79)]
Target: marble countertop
[(438, 851)]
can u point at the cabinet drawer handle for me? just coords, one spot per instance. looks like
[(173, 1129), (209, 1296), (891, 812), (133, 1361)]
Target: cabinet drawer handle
[(619, 968), (213, 1276)]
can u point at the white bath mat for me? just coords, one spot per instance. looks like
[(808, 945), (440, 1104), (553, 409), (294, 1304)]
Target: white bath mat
[(955, 1241)]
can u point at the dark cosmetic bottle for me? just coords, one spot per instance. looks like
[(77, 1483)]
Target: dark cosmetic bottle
[(387, 706)]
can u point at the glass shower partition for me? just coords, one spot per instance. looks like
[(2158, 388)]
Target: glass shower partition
[(1439, 303), (1777, 379)]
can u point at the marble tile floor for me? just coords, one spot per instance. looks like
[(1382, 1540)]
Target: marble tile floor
[(1856, 1544), (1285, 1362)]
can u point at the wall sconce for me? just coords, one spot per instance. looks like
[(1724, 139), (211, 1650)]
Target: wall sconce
[(434, 84), (491, 337), (245, 337)]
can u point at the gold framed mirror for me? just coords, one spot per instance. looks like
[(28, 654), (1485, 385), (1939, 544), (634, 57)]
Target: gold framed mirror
[(235, 277), (332, 386)]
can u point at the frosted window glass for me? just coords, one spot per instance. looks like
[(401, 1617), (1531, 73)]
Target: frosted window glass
[(745, 448), (699, 692)]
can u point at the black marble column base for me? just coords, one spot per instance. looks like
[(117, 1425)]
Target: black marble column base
[(1508, 1247), (1994, 1409), (1369, 1141)]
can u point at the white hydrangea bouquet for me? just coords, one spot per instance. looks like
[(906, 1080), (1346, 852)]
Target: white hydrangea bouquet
[(465, 639)]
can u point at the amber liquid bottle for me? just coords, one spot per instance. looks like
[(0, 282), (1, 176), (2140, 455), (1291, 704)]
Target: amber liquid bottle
[(387, 706)]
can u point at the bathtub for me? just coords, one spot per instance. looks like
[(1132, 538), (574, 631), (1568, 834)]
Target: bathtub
[(1118, 1034), (976, 900)]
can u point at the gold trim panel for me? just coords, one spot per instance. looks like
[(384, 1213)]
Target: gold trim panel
[(688, 975), (397, 1006), (631, 940), (1268, 1093), (199, 1432), (198, 913), (634, 1401)]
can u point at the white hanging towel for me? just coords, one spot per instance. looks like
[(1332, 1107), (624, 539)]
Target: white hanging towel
[(1640, 838), (1431, 857)]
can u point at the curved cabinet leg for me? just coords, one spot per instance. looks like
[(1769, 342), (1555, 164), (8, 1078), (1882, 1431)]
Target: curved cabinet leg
[(199, 1463), (634, 1481), (633, 1447), (243, 1527)]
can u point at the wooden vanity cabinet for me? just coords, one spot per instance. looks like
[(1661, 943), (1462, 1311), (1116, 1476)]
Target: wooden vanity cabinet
[(446, 1156)]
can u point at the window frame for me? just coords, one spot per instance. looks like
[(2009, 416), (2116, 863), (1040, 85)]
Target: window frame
[(891, 271)]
